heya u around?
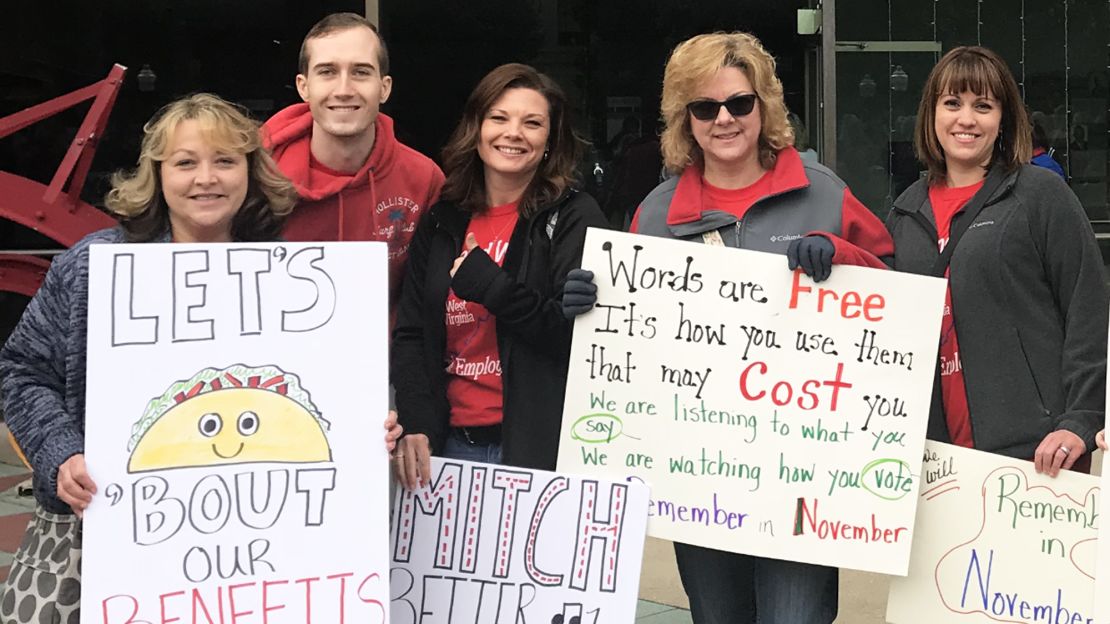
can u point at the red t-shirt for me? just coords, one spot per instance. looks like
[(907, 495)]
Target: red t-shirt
[(946, 202), (473, 362), (736, 201)]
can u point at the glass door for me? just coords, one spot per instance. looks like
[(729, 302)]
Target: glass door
[(878, 86)]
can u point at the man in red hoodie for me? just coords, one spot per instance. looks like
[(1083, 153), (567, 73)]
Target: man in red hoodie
[(355, 180)]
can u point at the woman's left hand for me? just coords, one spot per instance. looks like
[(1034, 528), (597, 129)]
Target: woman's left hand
[(393, 431), (813, 254), (1059, 449), (471, 243)]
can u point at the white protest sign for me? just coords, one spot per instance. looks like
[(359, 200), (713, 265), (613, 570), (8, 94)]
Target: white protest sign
[(235, 402), (1102, 599), (997, 542), (502, 545), (1102, 557), (770, 415)]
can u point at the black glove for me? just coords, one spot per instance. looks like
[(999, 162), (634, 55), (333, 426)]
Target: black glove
[(814, 254), (579, 293)]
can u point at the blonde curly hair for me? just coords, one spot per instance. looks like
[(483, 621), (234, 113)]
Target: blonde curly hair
[(694, 62), (136, 195)]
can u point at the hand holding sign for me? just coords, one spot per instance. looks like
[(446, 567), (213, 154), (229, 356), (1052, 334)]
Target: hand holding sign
[(812, 254), (579, 293), (393, 431), (1059, 449), (75, 486), (413, 460)]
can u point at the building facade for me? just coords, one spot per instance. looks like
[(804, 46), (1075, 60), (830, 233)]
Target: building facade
[(852, 71)]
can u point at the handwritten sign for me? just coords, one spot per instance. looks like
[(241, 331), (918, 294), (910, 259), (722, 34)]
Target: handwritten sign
[(1102, 599), (997, 542), (484, 543), (235, 400), (770, 415)]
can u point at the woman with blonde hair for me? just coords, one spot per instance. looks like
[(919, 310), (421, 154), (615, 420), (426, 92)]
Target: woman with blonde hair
[(202, 177), (1022, 367), (740, 183)]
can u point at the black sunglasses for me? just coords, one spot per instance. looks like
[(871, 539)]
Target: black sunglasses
[(737, 106)]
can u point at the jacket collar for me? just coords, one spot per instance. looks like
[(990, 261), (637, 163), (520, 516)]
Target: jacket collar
[(686, 207), (916, 196)]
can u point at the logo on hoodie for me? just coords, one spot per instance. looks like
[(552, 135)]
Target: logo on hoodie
[(399, 202), (400, 219)]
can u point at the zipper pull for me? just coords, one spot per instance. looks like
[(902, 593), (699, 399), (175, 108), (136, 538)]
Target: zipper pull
[(737, 231)]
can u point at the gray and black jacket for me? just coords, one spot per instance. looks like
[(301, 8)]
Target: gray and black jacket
[(1029, 300), (805, 198), (524, 296)]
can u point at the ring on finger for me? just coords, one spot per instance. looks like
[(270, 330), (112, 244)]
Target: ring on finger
[(1064, 449)]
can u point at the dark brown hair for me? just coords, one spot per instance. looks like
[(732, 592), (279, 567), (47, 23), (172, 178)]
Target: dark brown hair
[(465, 183), (136, 195), (980, 71), (338, 22)]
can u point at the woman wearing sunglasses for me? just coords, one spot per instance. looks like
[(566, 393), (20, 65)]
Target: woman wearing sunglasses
[(481, 346), (741, 183)]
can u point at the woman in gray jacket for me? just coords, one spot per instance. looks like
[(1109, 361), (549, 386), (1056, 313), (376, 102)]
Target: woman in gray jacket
[(1022, 368)]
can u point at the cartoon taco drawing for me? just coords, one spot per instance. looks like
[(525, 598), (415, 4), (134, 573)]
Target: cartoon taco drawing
[(236, 415)]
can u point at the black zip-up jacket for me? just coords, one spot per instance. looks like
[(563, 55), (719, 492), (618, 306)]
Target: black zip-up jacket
[(1029, 300), (524, 296)]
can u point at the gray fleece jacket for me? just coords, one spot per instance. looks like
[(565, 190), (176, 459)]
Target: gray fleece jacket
[(1029, 299)]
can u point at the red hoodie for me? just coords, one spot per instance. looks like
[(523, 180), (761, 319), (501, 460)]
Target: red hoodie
[(382, 201)]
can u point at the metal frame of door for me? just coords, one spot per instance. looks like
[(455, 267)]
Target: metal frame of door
[(829, 48)]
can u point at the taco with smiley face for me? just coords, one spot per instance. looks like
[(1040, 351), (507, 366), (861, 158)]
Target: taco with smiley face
[(236, 415)]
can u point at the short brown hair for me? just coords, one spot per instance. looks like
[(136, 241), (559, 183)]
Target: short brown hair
[(338, 22), (980, 71), (463, 168), (136, 196), (695, 61)]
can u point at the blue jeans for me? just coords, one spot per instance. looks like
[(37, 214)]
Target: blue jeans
[(727, 588), (457, 448)]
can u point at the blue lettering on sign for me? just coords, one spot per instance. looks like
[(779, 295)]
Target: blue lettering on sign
[(693, 514), (1011, 604)]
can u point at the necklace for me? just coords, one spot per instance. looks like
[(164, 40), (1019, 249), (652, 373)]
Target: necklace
[(495, 235)]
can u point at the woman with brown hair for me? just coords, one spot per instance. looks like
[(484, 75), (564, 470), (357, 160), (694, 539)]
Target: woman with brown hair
[(1022, 368), (480, 348)]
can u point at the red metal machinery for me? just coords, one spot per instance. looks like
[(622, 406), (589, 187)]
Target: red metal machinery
[(56, 210)]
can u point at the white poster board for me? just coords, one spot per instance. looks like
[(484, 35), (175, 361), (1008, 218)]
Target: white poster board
[(485, 543), (770, 415), (1102, 570), (997, 542), (235, 402)]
